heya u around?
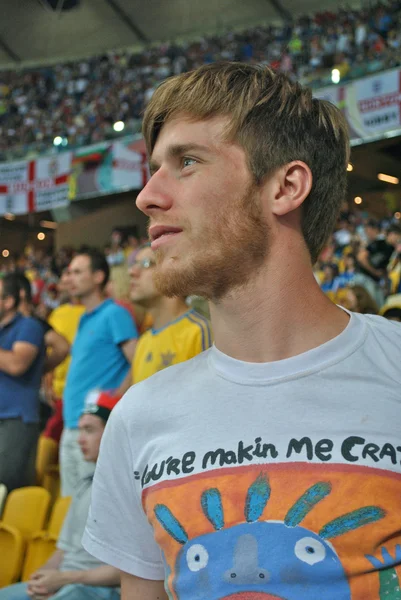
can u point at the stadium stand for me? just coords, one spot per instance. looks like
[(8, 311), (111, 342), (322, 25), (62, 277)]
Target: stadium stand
[(80, 101)]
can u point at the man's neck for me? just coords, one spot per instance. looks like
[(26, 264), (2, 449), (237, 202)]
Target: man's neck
[(166, 310), (7, 318), (93, 301), (279, 314)]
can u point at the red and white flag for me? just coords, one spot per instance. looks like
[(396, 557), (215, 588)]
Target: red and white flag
[(35, 185), (130, 170)]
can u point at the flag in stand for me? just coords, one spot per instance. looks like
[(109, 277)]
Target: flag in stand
[(130, 169), (35, 185)]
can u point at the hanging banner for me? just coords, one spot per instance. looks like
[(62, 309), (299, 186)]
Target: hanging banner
[(373, 104), (35, 185)]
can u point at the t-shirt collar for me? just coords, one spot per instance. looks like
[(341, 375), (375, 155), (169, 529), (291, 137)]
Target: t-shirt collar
[(100, 306), (303, 364)]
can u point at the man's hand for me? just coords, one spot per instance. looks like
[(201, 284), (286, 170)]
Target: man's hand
[(45, 583)]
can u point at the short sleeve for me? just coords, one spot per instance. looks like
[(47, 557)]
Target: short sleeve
[(30, 331), (122, 325), (117, 531)]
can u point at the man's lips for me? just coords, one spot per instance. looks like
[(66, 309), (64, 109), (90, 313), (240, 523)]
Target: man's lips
[(157, 231), (160, 234)]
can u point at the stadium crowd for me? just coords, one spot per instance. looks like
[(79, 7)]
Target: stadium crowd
[(66, 306), (65, 315), (80, 101)]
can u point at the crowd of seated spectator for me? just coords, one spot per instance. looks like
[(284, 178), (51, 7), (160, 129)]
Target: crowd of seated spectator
[(360, 267), (80, 101)]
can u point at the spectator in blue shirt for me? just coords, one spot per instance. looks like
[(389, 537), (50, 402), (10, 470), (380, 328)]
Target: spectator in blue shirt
[(101, 356), (22, 353)]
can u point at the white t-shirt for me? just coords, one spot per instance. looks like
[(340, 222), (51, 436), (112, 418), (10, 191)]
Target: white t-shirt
[(240, 480)]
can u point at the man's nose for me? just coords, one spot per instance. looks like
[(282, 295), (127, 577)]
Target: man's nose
[(155, 195)]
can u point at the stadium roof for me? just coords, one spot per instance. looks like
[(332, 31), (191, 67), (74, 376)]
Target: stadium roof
[(31, 32)]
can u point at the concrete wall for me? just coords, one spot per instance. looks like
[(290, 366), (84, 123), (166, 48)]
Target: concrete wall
[(94, 228)]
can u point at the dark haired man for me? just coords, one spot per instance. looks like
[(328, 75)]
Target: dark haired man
[(374, 259), (22, 353), (101, 355)]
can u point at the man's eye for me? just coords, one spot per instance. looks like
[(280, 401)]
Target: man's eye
[(188, 162)]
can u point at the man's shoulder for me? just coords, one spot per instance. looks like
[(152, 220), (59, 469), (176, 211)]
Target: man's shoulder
[(30, 324), (195, 322), (171, 381), (384, 328), (194, 326), (383, 343), (66, 309), (113, 309)]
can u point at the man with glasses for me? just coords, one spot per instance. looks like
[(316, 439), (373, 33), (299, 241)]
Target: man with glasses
[(178, 333), (22, 353)]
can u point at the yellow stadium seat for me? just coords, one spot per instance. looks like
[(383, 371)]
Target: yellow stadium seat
[(46, 456), (26, 509), (3, 496), (12, 553), (58, 515), (39, 550), (51, 482), (43, 544)]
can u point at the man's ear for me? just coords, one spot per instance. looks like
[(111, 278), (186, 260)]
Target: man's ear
[(99, 277), (293, 183), (9, 303)]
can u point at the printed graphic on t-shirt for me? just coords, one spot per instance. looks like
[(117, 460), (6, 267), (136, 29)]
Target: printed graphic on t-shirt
[(285, 531)]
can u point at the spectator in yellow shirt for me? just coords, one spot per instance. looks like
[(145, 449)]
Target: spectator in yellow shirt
[(178, 333), (64, 320)]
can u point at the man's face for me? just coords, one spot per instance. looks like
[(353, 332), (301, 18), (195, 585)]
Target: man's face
[(394, 238), (142, 287), (82, 279), (371, 233), (91, 428), (207, 227), (350, 262), (328, 273), (116, 238), (64, 283)]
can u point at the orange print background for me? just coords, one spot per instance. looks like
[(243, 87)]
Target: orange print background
[(352, 488)]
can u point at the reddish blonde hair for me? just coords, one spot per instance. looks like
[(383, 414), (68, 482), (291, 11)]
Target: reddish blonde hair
[(275, 120)]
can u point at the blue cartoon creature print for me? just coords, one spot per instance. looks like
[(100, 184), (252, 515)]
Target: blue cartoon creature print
[(263, 560)]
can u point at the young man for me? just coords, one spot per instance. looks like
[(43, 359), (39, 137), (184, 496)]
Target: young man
[(269, 466), (22, 353), (55, 343), (374, 259), (64, 320), (101, 355), (177, 333), (71, 573)]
